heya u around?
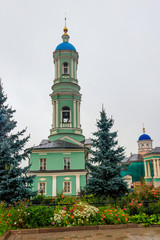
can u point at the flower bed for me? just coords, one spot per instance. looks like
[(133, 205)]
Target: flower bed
[(131, 209)]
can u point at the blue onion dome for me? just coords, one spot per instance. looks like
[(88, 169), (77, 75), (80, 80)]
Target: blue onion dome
[(144, 136), (65, 46)]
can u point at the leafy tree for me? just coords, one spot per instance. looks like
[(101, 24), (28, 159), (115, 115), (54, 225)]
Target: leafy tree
[(104, 166), (15, 185)]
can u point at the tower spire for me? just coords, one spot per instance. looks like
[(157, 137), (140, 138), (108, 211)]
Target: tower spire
[(143, 129), (65, 29), (65, 35)]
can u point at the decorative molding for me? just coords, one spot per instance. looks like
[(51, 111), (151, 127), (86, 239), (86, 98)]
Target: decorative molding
[(67, 178), (42, 179), (71, 139), (42, 154), (57, 174)]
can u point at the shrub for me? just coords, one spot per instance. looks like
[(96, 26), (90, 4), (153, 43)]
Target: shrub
[(144, 193), (78, 215), (38, 199), (153, 208), (110, 215), (145, 219), (38, 216)]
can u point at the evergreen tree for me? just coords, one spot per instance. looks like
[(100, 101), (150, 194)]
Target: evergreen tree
[(14, 184), (104, 168)]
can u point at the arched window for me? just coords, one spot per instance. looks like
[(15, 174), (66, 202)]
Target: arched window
[(65, 114), (65, 68)]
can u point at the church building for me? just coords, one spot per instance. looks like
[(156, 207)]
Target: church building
[(143, 166), (59, 161)]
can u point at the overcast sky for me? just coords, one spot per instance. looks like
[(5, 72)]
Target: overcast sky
[(119, 63)]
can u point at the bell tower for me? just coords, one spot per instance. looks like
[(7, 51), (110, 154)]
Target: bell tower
[(66, 97), (144, 143)]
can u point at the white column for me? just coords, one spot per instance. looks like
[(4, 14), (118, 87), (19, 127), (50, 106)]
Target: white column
[(55, 69), (74, 110), (158, 172), (57, 113), (54, 186), (75, 70), (149, 170), (53, 116), (78, 115), (71, 68), (154, 167), (145, 168), (58, 68), (77, 184)]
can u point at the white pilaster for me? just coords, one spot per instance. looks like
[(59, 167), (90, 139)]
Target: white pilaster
[(53, 115), (58, 68), (74, 109), (57, 113), (55, 69), (78, 115), (154, 168), (149, 170), (158, 168), (71, 68), (54, 185), (75, 69), (145, 168), (77, 184)]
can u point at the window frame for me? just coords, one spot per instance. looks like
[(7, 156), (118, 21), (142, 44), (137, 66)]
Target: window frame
[(68, 182), (69, 111), (67, 163), (39, 188), (42, 164), (65, 67)]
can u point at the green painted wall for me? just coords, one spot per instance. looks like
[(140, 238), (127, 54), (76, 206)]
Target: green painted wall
[(82, 181), (65, 87), (59, 184), (156, 179), (55, 161), (60, 134), (48, 182), (63, 97), (136, 170), (146, 158)]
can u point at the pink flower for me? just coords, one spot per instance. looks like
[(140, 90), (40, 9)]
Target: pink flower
[(125, 209), (53, 223), (140, 204)]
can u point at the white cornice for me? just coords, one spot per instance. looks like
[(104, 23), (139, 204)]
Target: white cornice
[(57, 174)]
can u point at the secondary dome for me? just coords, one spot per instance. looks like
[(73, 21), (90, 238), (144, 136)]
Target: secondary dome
[(144, 137), (65, 46)]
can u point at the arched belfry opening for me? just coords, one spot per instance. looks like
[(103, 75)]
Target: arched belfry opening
[(65, 68), (66, 114)]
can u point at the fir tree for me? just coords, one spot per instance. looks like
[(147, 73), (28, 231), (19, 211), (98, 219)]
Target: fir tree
[(104, 168), (14, 184)]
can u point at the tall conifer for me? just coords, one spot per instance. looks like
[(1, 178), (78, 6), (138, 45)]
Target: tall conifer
[(14, 184), (104, 166)]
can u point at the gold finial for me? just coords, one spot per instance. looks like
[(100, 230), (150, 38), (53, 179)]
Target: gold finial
[(65, 29), (143, 128)]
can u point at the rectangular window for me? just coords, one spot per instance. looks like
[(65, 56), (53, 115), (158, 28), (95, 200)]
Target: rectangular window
[(42, 164), (67, 163), (67, 187), (42, 188)]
